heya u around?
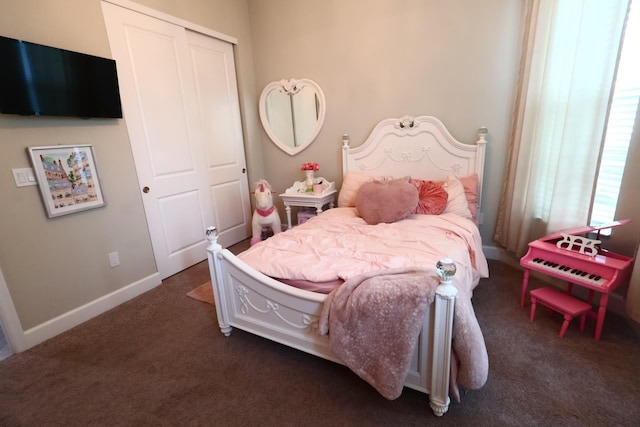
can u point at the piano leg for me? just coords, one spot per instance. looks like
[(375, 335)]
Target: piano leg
[(525, 284), (602, 310)]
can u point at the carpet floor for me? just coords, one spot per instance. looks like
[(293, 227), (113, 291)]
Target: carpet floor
[(160, 360)]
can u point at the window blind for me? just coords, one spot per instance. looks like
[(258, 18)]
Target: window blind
[(622, 116)]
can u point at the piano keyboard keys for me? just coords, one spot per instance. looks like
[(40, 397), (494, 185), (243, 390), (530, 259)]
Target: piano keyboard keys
[(572, 274)]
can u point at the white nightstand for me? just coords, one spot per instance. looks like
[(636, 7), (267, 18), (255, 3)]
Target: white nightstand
[(297, 195)]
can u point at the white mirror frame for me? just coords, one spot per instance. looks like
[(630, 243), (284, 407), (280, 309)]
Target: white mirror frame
[(292, 86)]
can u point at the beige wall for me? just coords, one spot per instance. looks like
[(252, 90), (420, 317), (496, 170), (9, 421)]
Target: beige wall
[(454, 59), (374, 59), (53, 266)]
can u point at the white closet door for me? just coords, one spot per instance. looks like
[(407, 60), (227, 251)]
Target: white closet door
[(169, 105), (219, 108)]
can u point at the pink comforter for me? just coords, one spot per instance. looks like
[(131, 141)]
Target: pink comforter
[(338, 245)]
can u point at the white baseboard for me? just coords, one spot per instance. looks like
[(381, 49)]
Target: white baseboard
[(75, 317)]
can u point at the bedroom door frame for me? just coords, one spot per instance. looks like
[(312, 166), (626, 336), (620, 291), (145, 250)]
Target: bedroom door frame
[(9, 321)]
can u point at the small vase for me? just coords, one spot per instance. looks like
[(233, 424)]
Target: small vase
[(308, 182)]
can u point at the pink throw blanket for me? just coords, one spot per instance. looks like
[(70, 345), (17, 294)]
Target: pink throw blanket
[(373, 321)]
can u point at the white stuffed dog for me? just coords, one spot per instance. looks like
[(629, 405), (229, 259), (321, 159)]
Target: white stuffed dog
[(265, 215)]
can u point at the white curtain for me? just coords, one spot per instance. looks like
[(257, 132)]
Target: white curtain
[(570, 54)]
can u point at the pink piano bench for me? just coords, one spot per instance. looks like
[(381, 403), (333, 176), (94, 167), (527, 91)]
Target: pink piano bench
[(563, 303)]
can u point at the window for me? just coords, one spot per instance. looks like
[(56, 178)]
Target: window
[(622, 116)]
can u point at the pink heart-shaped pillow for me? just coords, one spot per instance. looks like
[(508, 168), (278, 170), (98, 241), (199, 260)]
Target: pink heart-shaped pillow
[(386, 201)]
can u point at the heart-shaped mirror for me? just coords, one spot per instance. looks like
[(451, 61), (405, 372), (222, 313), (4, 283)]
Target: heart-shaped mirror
[(292, 113)]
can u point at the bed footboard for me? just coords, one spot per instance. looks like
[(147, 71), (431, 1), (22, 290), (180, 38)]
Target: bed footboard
[(249, 300)]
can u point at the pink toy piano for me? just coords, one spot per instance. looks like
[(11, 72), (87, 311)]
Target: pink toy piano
[(579, 260)]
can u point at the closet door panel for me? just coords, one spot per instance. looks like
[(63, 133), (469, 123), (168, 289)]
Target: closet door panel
[(218, 103), (168, 123)]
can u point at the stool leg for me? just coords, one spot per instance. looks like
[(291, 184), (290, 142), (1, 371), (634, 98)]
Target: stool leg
[(582, 319), (533, 309), (565, 324)]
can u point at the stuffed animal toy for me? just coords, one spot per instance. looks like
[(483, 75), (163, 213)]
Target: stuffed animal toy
[(265, 215)]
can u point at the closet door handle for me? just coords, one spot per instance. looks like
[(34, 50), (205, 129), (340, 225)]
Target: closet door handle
[(145, 189)]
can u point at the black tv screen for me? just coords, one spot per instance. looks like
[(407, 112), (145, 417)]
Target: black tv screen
[(46, 81)]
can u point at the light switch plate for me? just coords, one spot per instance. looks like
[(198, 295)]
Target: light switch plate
[(24, 177)]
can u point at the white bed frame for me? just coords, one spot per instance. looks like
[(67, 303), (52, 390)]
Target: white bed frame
[(247, 299)]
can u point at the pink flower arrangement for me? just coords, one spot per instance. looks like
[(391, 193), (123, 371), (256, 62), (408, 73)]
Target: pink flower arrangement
[(310, 166)]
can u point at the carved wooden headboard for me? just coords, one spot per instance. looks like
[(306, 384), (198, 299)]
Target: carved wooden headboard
[(420, 147)]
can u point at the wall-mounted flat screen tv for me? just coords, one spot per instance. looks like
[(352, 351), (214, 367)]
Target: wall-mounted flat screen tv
[(46, 81)]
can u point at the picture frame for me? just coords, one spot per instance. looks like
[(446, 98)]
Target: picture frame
[(68, 178)]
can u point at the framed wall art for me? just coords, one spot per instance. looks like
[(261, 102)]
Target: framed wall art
[(68, 178)]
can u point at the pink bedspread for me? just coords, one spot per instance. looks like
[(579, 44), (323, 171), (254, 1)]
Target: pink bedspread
[(338, 245)]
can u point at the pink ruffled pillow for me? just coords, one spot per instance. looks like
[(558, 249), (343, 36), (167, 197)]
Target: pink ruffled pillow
[(432, 197), (386, 201)]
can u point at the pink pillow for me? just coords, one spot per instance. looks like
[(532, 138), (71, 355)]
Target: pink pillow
[(432, 197), (386, 201), (457, 200), (470, 184), (351, 183)]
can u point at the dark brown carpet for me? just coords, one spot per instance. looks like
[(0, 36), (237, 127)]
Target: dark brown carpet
[(160, 360)]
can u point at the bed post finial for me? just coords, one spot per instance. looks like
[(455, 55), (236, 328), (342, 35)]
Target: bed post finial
[(482, 135), (346, 163), (446, 269), (345, 140), (212, 236)]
